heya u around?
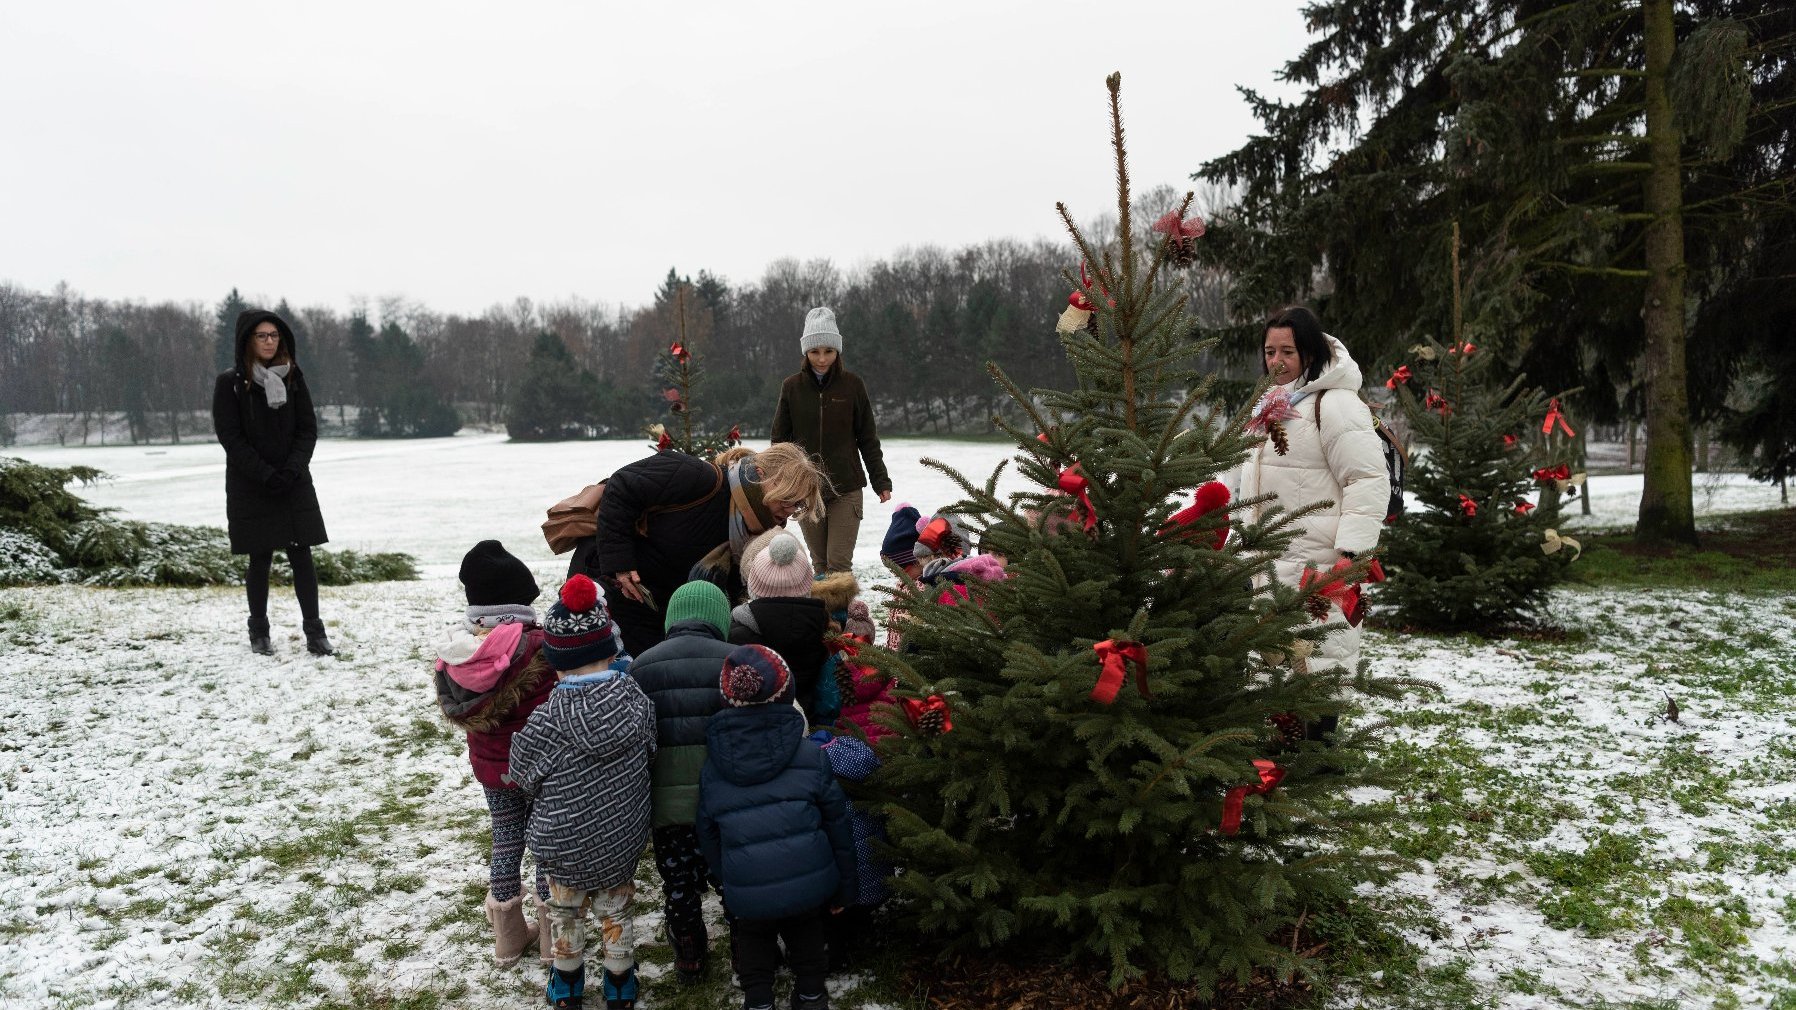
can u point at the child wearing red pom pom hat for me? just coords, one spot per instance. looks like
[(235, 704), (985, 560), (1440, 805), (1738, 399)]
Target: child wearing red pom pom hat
[(584, 758)]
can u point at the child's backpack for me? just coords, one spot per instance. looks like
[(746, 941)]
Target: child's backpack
[(1396, 458)]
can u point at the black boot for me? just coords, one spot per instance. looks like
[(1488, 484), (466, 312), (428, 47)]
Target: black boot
[(316, 643), (689, 957), (258, 637)]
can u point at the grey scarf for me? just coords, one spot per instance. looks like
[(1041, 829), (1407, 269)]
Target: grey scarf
[(493, 616), (273, 382)]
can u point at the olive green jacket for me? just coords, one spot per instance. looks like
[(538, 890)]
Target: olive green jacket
[(835, 423)]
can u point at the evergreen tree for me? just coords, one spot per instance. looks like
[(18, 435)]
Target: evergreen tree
[(1033, 796), (396, 400), (554, 398), (224, 330), (678, 369), (1472, 556)]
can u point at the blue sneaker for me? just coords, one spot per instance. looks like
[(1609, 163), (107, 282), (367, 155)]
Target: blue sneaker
[(620, 991), (567, 989)]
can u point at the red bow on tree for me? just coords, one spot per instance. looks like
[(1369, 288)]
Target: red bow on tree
[(1171, 224), (1400, 375), (664, 442), (1522, 508), (1438, 403), (1074, 483), (1465, 348), (1270, 775), (679, 351), (1115, 656), (1549, 474), (1556, 416), (1209, 497), (1332, 587), (734, 436), (671, 395), (1509, 441), (933, 709), (1468, 506)]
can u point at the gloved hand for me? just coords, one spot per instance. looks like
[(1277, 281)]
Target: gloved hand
[(278, 481), (293, 475)]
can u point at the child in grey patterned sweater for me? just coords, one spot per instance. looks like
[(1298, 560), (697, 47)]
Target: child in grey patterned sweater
[(584, 757)]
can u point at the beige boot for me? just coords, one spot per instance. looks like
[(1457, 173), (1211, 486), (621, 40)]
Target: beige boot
[(511, 934)]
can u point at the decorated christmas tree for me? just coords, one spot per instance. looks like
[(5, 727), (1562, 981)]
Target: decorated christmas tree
[(1088, 763), (677, 368), (1481, 552)]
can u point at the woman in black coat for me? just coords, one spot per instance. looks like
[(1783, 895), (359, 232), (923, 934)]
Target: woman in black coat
[(263, 415)]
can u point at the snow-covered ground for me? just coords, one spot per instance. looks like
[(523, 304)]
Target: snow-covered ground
[(183, 824)]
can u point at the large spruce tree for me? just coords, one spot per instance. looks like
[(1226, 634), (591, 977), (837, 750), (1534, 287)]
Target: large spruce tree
[(1090, 768), (1546, 129)]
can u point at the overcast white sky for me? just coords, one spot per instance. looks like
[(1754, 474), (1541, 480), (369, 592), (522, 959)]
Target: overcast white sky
[(463, 154)]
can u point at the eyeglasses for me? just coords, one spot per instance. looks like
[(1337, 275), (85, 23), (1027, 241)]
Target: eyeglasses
[(792, 508), (274, 335)]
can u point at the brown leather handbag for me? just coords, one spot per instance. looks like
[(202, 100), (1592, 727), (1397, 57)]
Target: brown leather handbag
[(576, 517)]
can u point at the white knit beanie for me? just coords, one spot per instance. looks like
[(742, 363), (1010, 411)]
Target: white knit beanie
[(782, 569), (820, 331)]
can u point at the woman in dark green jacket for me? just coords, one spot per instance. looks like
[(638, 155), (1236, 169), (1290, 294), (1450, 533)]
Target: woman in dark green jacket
[(825, 409)]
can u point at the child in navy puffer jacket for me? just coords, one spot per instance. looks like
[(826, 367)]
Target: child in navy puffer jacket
[(490, 675), (774, 827)]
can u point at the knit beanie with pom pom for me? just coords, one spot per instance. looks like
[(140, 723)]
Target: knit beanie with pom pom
[(578, 630), (782, 569)]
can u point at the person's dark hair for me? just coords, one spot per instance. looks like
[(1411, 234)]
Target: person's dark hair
[(1306, 333), (247, 321)]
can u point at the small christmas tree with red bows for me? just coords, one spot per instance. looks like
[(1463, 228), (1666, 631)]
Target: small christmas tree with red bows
[(1493, 462), (678, 369), (1088, 761)]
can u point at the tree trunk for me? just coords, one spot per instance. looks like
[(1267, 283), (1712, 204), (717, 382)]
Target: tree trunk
[(1633, 446), (1667, 514), (1702, 448)]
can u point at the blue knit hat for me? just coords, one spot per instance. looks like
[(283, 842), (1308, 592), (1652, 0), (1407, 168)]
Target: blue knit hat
[(578, 630), (901, 536)]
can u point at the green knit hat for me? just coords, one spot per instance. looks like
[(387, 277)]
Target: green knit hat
[(699, 601)]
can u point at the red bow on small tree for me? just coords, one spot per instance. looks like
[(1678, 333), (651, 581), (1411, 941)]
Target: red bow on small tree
[(1209, 497), (1549, 474), (930, 716), (679, 351), (1073, 482), (1522, 508), (734, 436), (1270, 775), (1401, 375), (1334, 587), (1115, 656), (663, 443), (1437, 403), (1467, 506), (1555, 416)]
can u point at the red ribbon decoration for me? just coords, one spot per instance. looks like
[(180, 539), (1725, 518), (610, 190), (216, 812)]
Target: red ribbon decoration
[(678, 350), (1549, 474), (1209, 497), (1116, 655), (1522, 508), (1074, 483), (1333, 587), (664, 442), (1375, 571), (1270, 775), (1402, 374), (915, 710), (734, 436), (671, 395), (1468, 506), (1437, 402), (1465, 349), (1556, 416), (1509, 441), (931, 535)]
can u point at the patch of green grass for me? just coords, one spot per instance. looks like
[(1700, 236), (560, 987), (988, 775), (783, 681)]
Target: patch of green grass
[(1590, 889), (1734, 557)]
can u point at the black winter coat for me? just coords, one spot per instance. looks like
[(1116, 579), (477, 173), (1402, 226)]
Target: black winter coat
[(792, 626), (772, 822), (680, 676), (677, 536), (833, 420), (269, 499)]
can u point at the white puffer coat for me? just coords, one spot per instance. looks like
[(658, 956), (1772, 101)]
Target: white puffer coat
[(1341, 461)]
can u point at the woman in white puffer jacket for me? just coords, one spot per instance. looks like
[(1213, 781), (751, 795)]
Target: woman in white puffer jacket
[(1341, 460)]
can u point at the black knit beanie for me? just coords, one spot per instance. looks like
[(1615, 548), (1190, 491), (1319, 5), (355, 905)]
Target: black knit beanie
[(494, 577)]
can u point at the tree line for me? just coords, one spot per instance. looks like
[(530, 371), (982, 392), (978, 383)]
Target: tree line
[(919, 326)]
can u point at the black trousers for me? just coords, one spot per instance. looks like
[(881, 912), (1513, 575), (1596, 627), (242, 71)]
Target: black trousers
[(684, 877), (757, 955), (305, 583)]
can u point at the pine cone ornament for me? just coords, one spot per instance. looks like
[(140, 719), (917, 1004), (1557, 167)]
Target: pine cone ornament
[(845, 680), (1180, 252), (930, 723), (1281, 442)]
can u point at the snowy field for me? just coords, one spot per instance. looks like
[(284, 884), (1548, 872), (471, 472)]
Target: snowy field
[(182, 824)]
